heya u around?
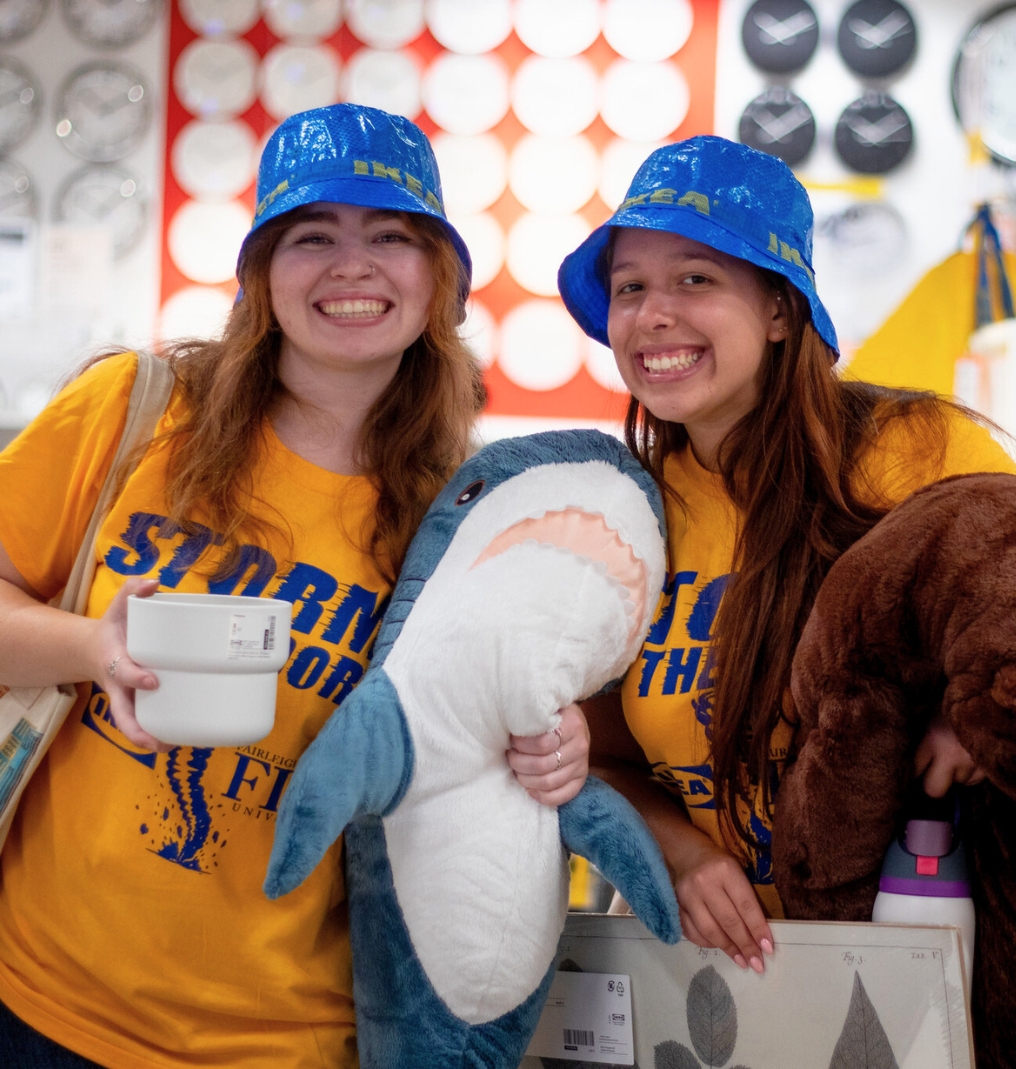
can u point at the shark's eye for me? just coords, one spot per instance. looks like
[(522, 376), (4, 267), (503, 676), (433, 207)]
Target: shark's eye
[(471, 492)]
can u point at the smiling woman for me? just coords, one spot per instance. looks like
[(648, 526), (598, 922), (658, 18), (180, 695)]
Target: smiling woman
[(296, 457), (772, 466)]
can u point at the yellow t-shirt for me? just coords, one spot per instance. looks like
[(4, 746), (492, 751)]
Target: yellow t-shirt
[(668, 692), (133, 927)]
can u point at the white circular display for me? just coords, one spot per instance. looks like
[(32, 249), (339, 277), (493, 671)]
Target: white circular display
[(647, 30), (204, 239), (381, 79), (468, 26), (215, 161), (220, 18), (556, 175), (557, 28), (619, 161), (194, 312), (541, 346), (474, 171), (485, 240), (536, 246), (479, 331), (216, 79), (304, 20), (643, 101), (602, 367), (555, 97), (297, 77), (385, 23), (466, 94)]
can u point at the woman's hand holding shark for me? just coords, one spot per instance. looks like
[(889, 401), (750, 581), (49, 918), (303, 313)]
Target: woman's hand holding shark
[(553, 766)]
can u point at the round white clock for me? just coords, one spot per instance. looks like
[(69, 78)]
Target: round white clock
[(110, 23), (103, 111), (297, 77), (20, 103), (215, 160), (110, 197), (216, 79), (18, 18), (984, 83)]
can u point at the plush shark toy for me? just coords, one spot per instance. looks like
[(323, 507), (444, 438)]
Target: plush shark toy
[(530, 584)]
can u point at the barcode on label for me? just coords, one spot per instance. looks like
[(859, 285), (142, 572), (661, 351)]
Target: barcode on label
[(270, 634), (578, 1037)]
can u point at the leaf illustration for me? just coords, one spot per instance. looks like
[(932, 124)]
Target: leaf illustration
[(712, 1016), (863, 1043), (671, 1055)]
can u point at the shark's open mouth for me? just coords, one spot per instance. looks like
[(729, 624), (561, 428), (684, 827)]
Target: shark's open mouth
[(586, 536)]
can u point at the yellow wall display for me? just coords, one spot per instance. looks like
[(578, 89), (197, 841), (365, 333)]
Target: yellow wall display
[(919, 344)]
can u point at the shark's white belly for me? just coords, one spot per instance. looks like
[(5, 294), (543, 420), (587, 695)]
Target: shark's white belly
[(482, 881)]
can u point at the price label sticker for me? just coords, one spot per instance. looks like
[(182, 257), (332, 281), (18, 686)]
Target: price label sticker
[(251, 636), (587, 1018)]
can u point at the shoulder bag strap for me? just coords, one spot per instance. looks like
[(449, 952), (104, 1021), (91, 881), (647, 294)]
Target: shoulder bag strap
[(150, 394)]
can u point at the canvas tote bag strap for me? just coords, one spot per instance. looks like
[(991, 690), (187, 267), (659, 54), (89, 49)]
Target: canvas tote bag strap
[(153, 385)]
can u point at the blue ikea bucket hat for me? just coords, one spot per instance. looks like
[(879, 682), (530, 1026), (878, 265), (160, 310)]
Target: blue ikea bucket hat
[(351, 154), (728, 196)]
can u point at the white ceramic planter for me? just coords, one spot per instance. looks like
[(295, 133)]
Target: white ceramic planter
[(217, 658)]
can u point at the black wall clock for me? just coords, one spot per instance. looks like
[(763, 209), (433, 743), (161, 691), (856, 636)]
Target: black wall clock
[(876, 38), (874, 134), (780, 123), (780, 36)]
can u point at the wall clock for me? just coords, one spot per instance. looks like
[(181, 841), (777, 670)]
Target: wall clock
[(20, 103), (874, 134), (216, 79), (780, 36), (17, 192), (298, 77), (876, 38), (105, 196), (18, 18), (984, 83), (215, 160), (780, 123), (865, 239), (103, 111), (110, 23)]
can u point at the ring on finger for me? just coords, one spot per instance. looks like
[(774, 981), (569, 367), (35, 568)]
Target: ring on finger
[(557, 754), (111, 667), (557, 732)]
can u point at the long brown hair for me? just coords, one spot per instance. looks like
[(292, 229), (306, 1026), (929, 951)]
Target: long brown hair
[(792, 466), (415, 435)]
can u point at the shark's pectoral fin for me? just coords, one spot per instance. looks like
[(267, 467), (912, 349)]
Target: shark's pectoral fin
[(603, 827), (360, 762)]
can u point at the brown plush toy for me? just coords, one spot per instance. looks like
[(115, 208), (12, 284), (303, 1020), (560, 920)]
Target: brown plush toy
[(918, 616)]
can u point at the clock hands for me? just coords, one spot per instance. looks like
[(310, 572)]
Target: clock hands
[(883, 33), (783, 31), (876, 133), (777, 127)]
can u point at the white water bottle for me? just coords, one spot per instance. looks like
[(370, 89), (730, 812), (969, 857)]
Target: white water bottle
[(924, 881)]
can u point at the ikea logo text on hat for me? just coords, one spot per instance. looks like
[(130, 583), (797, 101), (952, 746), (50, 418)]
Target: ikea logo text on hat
[(788, 252), (666, 196), (414, 185)]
